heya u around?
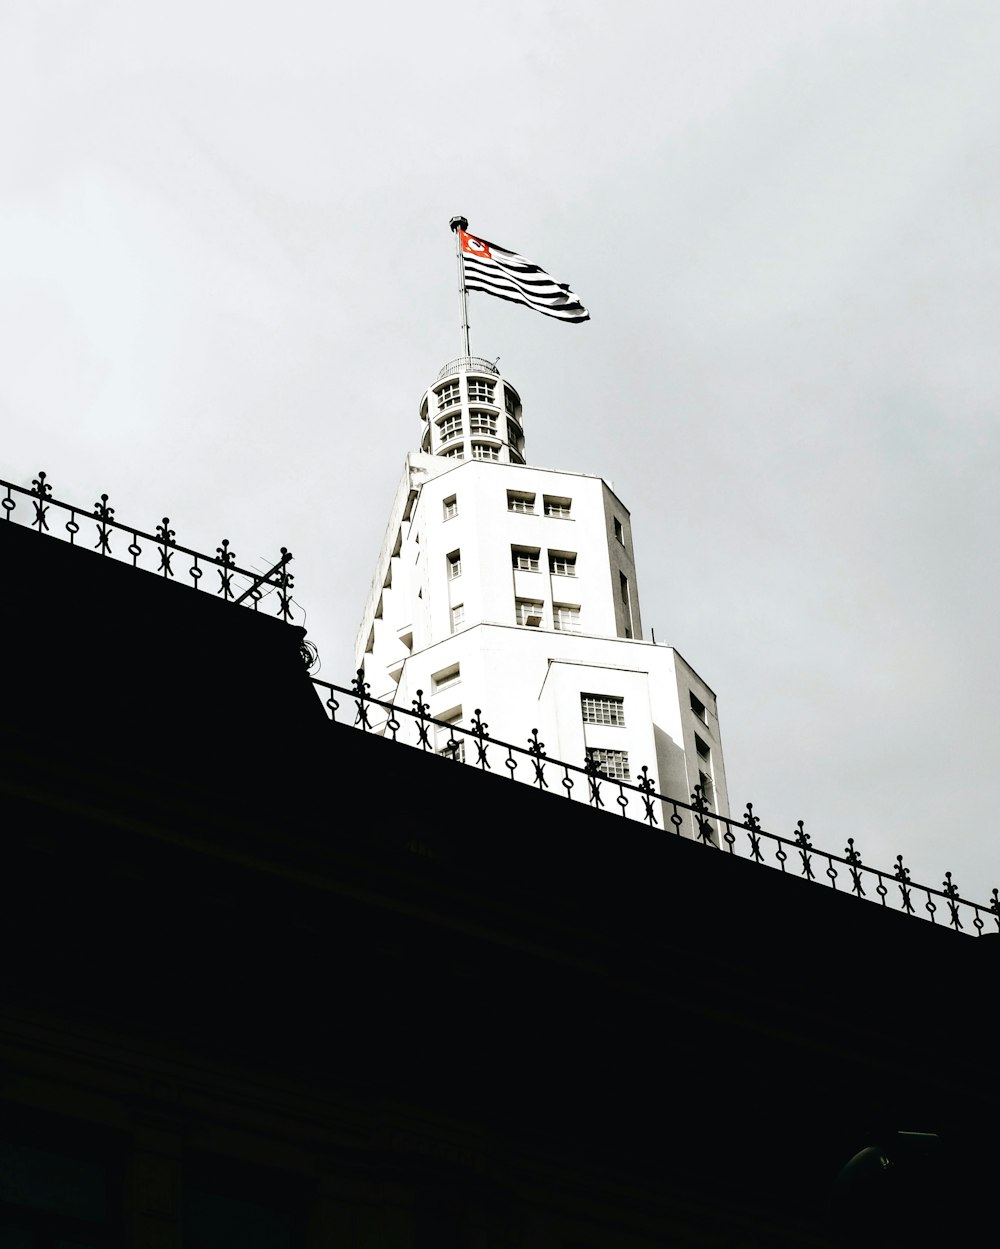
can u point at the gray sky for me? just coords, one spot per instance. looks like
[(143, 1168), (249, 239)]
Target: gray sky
[(226, 277)]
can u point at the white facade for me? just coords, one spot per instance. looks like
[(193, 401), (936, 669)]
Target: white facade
[(512, 590)]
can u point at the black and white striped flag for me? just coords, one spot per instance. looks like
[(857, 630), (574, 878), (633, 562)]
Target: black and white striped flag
[(493, 269)]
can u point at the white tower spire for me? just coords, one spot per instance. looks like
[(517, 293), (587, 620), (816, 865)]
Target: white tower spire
[(513, 589)]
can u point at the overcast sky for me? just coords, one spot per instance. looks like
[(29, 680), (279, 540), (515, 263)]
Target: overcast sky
[(226, 278)]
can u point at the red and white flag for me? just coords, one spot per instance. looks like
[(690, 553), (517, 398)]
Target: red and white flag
[(493, 269)]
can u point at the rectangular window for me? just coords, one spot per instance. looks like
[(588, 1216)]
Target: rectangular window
[(529, 612), (446, 741), (482, 423), (450, 506), (562, 564), (483, 451), (518, 501), (565, 618), (603, 709), (457, 616), (508, 401), (626, 603), (451, 427), (448, 395), (456, 453), (698, 707), (524, 559), (619, 531), (454, 565), (445, 678), (480, 391), (612, 764), (703, 749), (555, 506), (707, 788)]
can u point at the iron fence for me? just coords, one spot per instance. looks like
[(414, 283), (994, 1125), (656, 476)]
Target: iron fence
[(468, 364), (640, 801), (236, 584)]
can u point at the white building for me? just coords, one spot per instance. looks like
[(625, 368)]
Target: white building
[(513, 590)]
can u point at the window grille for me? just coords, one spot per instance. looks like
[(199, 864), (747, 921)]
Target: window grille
[(454, 565), (448, 395), (480, 391), (524, 561), (483, 423), (457, 617), (565, 619), (456, 453), (562, 565), (450, 427), (482, 451), (610, 763), (450, 506), (603, 709), (517, 502), (557, 507), (529, 612)]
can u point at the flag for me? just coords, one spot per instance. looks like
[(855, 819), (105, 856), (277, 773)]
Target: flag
[(490, 268)]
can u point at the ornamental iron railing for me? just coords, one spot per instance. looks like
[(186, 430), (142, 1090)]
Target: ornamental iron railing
[(468, 364), (238, 585), (640, 801)]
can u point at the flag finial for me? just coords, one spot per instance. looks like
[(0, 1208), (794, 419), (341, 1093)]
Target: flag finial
[(459, 223)]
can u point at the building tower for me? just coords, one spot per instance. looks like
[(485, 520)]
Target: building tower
[(513, 589)]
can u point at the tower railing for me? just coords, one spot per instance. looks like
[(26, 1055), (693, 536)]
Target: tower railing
[(244, 586), (468, 364), (640, 801)]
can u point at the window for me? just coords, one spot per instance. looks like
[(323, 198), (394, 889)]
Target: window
[(454, 561), (619, 532), (603, 709), (483, 423), (612, 764), (508, 401), (482, 451), (565, 619), (480, 391), (446, 740), (707, 788), (451, 427), (556, 506), (517, 501), (703, 749), (562, 564), (698, 707), (446, 677), (626, 603), (523, 559), (529, 612), (457, 616), (448, 395), (450, 506), (456, 453)]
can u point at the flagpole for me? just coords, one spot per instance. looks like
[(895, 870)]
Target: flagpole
[(460, 223)]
